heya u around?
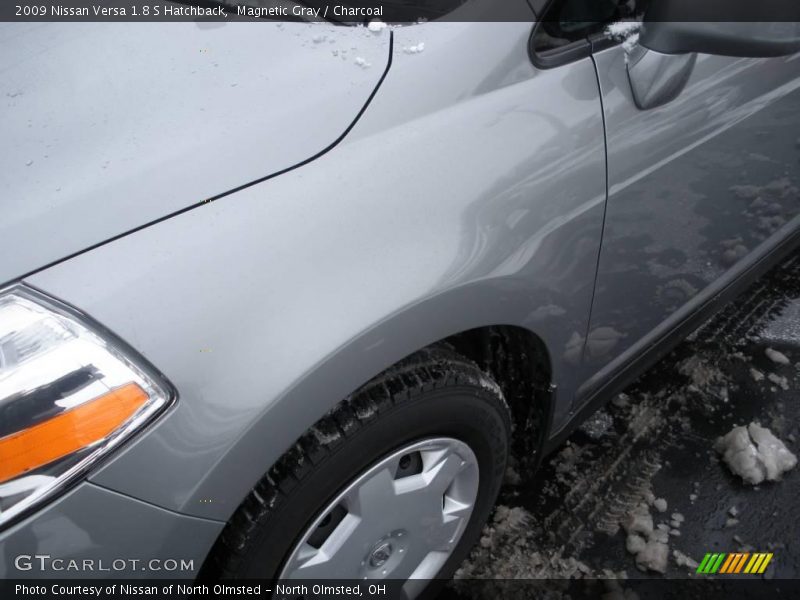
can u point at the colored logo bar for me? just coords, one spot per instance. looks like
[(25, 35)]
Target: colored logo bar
[(735, 563)]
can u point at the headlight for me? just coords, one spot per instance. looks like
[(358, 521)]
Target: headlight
[(68, 394)]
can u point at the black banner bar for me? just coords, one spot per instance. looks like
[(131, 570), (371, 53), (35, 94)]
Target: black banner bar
[(741, 587), (395, 11)]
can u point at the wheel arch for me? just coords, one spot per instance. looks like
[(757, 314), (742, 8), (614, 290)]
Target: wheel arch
[(421, 372), (470, 321)]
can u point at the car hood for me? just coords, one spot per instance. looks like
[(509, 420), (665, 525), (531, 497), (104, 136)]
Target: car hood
[(110, 126)]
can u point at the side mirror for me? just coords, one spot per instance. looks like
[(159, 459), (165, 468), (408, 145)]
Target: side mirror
[(673, 31), (752, 28), (725, 39), (658, 78)]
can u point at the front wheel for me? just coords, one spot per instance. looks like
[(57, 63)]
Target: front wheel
[(395, 483)]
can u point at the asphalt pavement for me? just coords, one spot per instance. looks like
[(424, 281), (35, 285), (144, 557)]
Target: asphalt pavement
[(656, 442)]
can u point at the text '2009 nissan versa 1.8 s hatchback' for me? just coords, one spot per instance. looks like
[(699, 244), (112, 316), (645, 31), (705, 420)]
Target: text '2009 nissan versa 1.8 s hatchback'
[(280, 299)]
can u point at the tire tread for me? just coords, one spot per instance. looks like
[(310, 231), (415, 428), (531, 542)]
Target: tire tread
[(422, 372)]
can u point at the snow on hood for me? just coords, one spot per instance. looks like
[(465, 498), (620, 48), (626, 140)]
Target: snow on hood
[(108, 126)]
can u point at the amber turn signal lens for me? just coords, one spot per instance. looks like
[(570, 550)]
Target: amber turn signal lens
[(70, 392), (69, 431)]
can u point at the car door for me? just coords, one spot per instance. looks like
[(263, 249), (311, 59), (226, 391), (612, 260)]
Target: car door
[(699, 189)]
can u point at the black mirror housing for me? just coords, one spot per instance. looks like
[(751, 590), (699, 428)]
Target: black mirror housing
[(752, 28), (725, 39)]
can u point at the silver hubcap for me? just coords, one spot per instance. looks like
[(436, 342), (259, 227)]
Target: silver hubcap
[(400, 519)]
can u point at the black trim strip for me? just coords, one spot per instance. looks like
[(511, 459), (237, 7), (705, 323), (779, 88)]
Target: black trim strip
[(559, 56), (652, 348)]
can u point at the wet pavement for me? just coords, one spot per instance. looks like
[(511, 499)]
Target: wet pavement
[(656, 441)]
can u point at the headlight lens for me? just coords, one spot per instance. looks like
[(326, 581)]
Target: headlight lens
[(68, 394)]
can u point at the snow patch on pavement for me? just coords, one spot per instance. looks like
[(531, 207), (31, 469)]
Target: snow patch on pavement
[(701, 373), (507, 550), (755, 454), (646, 542), (682, 560), (776, 357)]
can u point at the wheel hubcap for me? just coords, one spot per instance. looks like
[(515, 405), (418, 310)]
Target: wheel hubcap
[(380, 555), (401, 518)]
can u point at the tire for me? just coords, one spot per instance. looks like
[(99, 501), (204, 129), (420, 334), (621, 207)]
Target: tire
[(433, 395)]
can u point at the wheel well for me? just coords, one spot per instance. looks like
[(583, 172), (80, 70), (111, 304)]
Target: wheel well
[(517, 359)]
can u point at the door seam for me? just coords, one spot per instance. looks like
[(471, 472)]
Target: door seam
[(602, 227)]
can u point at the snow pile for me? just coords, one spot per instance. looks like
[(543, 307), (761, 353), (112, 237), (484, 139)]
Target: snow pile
[(414, 49), (706, 380), (625, 31), (700, 372), (755, 454), (682, 560), (507, 550), (598, 425), (376, 26), (732, 521), (630, 43), (779, 380), (647, 543), (776, 357), (566, 463)]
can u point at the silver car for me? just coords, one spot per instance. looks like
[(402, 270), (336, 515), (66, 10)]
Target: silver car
[(280, 299)]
